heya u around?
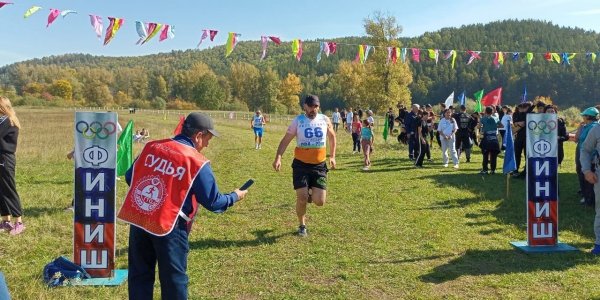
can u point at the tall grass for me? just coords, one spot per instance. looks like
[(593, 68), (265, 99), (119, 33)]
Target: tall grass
[(393, 232)]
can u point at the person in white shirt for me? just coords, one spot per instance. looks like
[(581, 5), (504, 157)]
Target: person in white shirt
[(335, 119), (447, 128), (349, 119), (257, 124), (370, 118)]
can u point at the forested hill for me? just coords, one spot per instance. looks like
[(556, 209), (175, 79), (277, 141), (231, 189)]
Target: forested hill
[(160, 79)]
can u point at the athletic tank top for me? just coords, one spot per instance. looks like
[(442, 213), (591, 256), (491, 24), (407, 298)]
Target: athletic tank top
[(311, 138)]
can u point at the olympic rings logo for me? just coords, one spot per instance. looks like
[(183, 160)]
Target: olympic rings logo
[(96, 129), (542, 127)]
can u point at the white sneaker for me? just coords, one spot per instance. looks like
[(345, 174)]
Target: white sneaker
[(353, 152), (256, 147), (456, 166), (259, 146), (582, 201), (445, 165), (366, 168)]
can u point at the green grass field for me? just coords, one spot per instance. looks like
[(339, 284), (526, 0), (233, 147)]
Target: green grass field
[(393, 232)]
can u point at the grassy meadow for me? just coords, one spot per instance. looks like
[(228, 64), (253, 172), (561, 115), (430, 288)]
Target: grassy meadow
[(391, 233)]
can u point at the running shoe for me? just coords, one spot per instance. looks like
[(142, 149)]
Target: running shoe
[(17, 229), (302, 231), (6, 226)]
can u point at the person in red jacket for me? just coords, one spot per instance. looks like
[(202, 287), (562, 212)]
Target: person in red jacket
[(166, 181)]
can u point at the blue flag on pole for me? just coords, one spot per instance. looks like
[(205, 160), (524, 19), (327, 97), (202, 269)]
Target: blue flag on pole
[(524, 96), (509, 154), (461, 98)]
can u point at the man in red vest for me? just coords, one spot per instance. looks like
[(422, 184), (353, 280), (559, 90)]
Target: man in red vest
[(167, 181)]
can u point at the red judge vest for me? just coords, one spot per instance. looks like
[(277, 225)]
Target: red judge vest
[(161, 179)]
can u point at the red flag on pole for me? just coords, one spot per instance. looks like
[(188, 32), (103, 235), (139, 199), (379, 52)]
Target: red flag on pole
[(179, 126), (492, 98)]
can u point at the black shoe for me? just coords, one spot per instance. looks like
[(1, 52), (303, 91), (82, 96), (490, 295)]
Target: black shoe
[(483, 172), (468, 160), (492, 172), (302, 231)]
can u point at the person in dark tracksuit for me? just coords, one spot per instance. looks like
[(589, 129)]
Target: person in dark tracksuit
[(519, 119), (463, 137), (10, 203), (411, 122)]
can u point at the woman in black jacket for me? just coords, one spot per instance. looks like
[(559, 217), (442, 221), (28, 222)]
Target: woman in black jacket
[(10, 203)]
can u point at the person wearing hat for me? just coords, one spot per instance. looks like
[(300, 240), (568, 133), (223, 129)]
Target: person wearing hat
[(257, 123), (165, 181), (590, 120), (588, 159), (312, 131)]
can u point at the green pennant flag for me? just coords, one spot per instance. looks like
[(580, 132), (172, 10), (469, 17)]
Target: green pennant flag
[(125, 149), (385, 129), (478, 106)]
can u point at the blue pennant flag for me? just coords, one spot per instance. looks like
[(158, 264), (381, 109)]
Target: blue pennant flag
[(461, 98), (515, 56), (509, 154)]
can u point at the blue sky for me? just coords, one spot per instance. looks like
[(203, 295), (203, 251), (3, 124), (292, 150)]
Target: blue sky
[(23, 39)]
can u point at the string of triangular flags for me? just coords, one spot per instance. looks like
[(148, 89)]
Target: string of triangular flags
[(147, 30)]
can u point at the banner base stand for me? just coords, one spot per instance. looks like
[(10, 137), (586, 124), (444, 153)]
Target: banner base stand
[(560, 247), (118, 279)]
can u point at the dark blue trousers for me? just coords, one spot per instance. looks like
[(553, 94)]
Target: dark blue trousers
[(170, 251)]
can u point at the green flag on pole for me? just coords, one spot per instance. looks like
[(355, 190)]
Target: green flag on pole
[(478, 106), (125, 149), (385, 129)]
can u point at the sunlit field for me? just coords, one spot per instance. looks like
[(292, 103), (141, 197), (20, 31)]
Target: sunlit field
[(392, 232)]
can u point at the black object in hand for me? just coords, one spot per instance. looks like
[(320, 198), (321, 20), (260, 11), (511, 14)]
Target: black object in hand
[(247, 185)]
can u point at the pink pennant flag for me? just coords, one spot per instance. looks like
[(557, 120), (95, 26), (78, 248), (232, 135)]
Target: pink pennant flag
[(332, 47), (164, 34), (212, 34), (4, 3), (275, 40), (54, 13), (416, 54), (474, 55), (97, 24), (326, 49)]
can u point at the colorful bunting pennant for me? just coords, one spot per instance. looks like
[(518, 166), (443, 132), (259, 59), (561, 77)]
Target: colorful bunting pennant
[(54, 13), (232, 41), (4, 3), (332, 47), (67, 12), (473, 56), (403, 54), (433, 54), (114, 26), (97, 24), (416, 54), (556, 57), (32, 10), (529, 57), (164, 34), (498, 59), (515, 56), (297, 49), (141, 31)]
